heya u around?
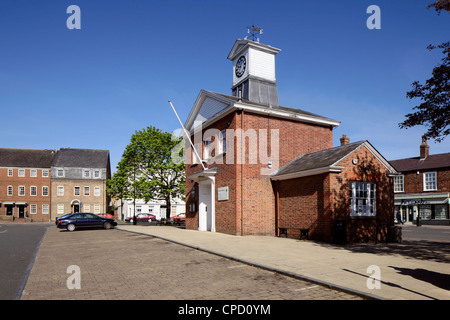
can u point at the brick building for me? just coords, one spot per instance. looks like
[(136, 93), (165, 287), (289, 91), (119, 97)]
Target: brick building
[(79, 181), (25, 193), (248, 145), (423, 187), (39, 185)]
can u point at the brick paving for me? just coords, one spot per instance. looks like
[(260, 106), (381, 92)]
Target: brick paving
[(119, 265)]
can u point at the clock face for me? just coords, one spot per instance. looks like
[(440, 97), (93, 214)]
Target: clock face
[(240, 66)]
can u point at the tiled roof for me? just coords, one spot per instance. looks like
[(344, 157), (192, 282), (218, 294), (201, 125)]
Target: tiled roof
[(281, 108), (433, 161), (81, 158), (26, 158), (320, 159)]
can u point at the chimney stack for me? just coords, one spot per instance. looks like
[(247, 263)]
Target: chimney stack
[(424, 149), (344, 140)]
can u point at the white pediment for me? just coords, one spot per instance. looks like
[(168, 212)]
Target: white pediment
[(206, 107)]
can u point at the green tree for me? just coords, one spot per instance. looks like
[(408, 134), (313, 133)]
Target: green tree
[(434, 111), (148, 170), (124, 183)]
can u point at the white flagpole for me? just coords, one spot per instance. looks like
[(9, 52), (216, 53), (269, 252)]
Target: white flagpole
[(187, 135)]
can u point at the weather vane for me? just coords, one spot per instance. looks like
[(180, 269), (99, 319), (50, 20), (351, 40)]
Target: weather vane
[(254, 31)]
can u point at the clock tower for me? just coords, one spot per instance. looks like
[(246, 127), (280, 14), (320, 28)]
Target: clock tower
[(254, 72)]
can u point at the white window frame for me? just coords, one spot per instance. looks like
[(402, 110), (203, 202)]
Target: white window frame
[(60, 191), (20, 193), (45, 209), (399, 186), (223, 141), (86, 208), (207, 149), (86, 174), (60, 208), (10, 191), (96, 191), (96, 208), (97, 174), (21, 173), (33, 173), (88, 193), (10, 172), (33, 188), (75, 191), (434, 181), (194, 156), (45, 191), (45, 173), (33, 208), (363, 199), (60, 172)]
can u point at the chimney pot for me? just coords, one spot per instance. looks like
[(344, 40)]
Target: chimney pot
[(344, 140), (424, 149)]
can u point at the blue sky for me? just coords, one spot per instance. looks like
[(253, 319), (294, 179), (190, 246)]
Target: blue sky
[(93, 87)]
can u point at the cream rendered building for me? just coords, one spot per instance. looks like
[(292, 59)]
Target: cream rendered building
[(78, 181)]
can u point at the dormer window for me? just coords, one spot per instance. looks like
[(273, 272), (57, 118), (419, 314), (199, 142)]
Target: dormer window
[(60, 173)]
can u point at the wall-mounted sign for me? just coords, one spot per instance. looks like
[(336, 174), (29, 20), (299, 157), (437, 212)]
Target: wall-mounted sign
[(407, 202), (222, 194)]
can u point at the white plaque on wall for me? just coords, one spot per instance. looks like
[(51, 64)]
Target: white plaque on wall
[(222, 193)]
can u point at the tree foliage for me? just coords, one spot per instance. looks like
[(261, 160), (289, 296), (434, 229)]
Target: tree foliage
[(148, 170), (434, 110)]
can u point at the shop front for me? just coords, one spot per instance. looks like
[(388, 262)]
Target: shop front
[(432, 208)]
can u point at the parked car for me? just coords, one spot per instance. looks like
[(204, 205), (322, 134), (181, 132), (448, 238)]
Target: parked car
[(84, 220), (106, 215), (142, 217), (62, 217), (179, 218)]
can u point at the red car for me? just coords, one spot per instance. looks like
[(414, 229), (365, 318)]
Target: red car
[(142, 217), (179, 218), (106, 215)]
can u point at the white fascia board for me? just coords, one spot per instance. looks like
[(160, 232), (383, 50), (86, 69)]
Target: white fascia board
[(249, 43), (307, 173), (376, 154), (211, 120), (198, 104), (289, 115)]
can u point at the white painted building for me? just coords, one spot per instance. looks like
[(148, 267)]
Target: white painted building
[(156, 207)]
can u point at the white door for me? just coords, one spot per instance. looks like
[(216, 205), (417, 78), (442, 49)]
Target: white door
[(204, 206)]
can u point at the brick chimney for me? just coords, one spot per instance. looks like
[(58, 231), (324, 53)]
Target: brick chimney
[(424, 148), (344, 140)]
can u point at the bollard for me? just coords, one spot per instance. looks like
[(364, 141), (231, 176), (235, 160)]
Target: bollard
[(418, 221)]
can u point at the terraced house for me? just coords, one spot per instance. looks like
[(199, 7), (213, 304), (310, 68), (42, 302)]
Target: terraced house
[(25, 184), (79, 181), (39, 185)]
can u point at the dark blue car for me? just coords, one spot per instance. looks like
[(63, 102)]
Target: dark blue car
[(84, 220)]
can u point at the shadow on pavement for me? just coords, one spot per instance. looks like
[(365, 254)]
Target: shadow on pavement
[(422, 250), (437, 279)]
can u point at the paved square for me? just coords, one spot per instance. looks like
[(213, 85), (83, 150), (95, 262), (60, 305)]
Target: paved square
[(121, 265)]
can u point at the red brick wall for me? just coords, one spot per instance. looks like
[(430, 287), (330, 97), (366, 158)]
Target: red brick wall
[(364, 229), (248, 189), (27, 181), (315, 202), (413, 182)]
